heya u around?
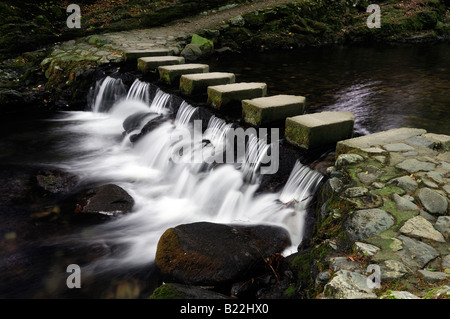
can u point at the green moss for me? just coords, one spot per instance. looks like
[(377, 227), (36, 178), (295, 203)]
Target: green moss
[(167, 291), (290, 291)]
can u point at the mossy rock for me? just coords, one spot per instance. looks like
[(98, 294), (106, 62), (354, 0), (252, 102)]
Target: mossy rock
[(207, 46)]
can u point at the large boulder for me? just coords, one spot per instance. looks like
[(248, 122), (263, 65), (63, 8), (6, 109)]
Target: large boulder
[(107, 199), (212, 254)]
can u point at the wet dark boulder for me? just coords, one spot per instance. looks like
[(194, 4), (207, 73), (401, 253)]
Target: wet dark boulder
[(134, 121), (107, 199), (55, 181), (215, 254), (150, 126)]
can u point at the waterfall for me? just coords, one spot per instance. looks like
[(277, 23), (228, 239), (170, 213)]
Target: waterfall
[(169, 192), (139, 91), (160, 101), (107, 91), (300, 186), (185, 113)]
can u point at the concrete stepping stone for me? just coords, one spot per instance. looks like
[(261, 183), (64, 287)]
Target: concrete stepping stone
[(264, 110), (198, 83), (148, 64), (318, 129), (220, 96), (134, 54), (171, 74)]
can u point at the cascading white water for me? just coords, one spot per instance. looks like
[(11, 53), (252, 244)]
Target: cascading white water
[(167, 192), (139, 91), (107, 91)]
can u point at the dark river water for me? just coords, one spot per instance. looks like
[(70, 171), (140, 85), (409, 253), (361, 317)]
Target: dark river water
[(384, 86)]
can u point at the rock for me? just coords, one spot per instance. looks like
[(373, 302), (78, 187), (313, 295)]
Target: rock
[(198, 83), (400, 295), (318, 129), (403, 204), (435, 176), (437, 292), (398, 147), (376, 139), (433, 276), (432, 201), (419, 227), (274, 108), (410, 153), (427, 216), (393, 270), (211, 254), (237, 21), (420, 141), (447, 189), (366, 249), (408, 183), (192, 52), (342, 263), (446, 262), (107, 199), (348, 285), (56, 181), (179, 291), (355, 192), (367, 179), (222, 96), (348, 159), (412, 165), (441, 141), (335, 184), (443, 225), (366, 223), (416, 253), (322, 278)]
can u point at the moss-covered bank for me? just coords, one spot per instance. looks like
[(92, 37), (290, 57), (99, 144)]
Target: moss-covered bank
[(319, 22)]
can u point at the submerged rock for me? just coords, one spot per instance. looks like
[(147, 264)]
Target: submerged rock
[(211, 254), (56, 181), (107, 199)]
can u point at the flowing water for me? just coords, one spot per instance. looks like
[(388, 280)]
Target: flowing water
[(168, 192), (385, 86)]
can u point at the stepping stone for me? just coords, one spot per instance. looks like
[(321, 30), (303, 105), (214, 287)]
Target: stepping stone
[(134, 54), (313, 130), (198, 83), (377, 139), (264, 110), (148, 64), (220, 96), (172, 73)]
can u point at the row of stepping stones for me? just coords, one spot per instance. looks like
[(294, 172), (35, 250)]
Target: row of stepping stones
[(258, 109)]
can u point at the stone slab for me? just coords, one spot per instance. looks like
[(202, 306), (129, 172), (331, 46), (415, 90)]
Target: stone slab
[(148, 64), (220, 96), (264, 110), (318, 129), (170, 74), (397, 135), (134, 54), (198, 83)]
